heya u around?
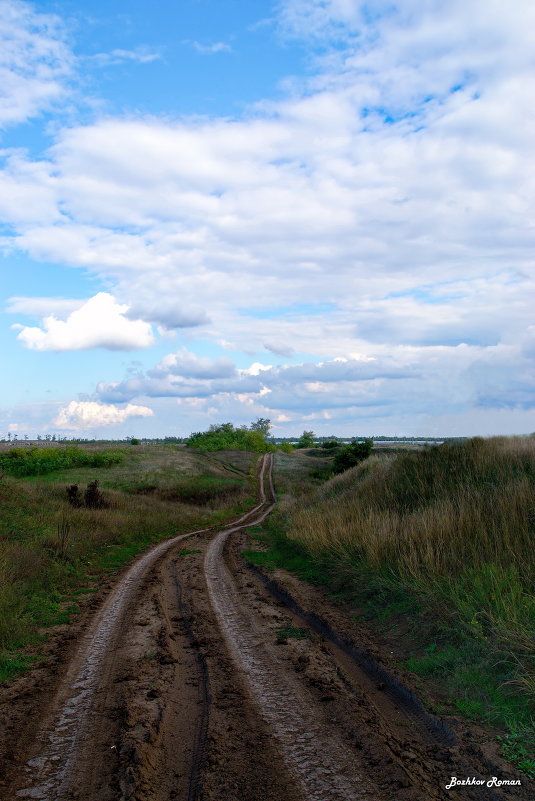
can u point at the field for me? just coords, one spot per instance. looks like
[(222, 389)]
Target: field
[(50, 550), (418, 562)]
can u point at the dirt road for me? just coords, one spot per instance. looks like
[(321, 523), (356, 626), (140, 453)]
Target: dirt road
[(199, 678)]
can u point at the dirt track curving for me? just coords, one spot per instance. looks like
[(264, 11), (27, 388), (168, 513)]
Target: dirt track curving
[(188, 684)]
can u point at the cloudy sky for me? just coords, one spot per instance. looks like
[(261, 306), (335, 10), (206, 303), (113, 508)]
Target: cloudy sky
[(316, 211)]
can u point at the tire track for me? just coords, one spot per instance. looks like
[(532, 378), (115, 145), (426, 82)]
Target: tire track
[(63, 762), (322, 767)]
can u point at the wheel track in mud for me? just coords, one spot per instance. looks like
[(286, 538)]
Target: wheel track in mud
[(320, 767), (61, 764)]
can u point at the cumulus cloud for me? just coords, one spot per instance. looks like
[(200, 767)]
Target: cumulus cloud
[(35, 61), (183, 374), (99, 323), (79, 415), (342, 181), (186, 364)]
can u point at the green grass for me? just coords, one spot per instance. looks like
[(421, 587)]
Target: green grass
[(481, 684), (292, 633), (34, 461), (519, 747), (42, 576)]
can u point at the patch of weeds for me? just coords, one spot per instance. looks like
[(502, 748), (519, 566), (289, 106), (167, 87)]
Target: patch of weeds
[(13, 664), (322, 474), (434, 661), (292, 632), (186, 552), (259, 558), (471, 708), (258, 537), (518, 746)]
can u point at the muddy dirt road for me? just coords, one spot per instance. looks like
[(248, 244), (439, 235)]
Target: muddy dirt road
[(198, 678)]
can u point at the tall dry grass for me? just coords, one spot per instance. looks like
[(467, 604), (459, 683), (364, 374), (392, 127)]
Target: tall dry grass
[(431, 512), (454, 523)]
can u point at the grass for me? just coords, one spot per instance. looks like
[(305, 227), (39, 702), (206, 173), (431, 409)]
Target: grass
[(433, 546), (51, 553), (292, 633)]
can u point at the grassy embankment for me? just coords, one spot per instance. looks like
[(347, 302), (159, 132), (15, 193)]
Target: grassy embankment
[(51, 552), (435, 547)]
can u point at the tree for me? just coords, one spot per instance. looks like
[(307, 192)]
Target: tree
[(306, 440), (352, 454), (262, 425)]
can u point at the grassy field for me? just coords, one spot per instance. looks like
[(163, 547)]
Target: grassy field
[(50, 550), (435, 543)]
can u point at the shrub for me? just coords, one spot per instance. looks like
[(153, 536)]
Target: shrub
[(330, 444), (73, 495), (286, 447), (352, 454), (306, 440), (93, 497), (226, 437)]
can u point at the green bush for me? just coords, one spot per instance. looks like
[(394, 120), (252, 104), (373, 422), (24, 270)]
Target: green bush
[(352, 454), (330, 444), (306, 440), (226, 437)]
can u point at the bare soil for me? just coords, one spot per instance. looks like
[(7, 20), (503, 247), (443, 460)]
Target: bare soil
[(195, 677)]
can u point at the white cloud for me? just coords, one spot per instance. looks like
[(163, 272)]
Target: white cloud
[(99, 323), (210, 49), (279, 348), (393, 188), (78, 415), (35, 61), (141, 54), (185, 364)]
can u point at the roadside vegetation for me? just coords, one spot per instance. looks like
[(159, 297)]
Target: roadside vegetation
[(57, 543), (226, 436), (35, 461), (437, 543)]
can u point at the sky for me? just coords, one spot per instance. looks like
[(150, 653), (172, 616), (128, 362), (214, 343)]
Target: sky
[(315, 211)]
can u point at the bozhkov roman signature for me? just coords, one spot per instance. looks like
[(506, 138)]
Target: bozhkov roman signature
[(492, 782)]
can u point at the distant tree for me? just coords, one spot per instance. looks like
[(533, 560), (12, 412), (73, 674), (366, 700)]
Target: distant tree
[(352, 454), (225, 437), (262, 425), (306, 440)]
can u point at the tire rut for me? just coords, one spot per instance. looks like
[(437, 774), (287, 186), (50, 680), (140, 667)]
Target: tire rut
[(322, 767), (81, 750)]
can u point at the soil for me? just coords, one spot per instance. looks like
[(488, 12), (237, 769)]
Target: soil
[(196, 677)]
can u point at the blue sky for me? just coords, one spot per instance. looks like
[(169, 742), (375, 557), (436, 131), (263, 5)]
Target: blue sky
[(318, 212)]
